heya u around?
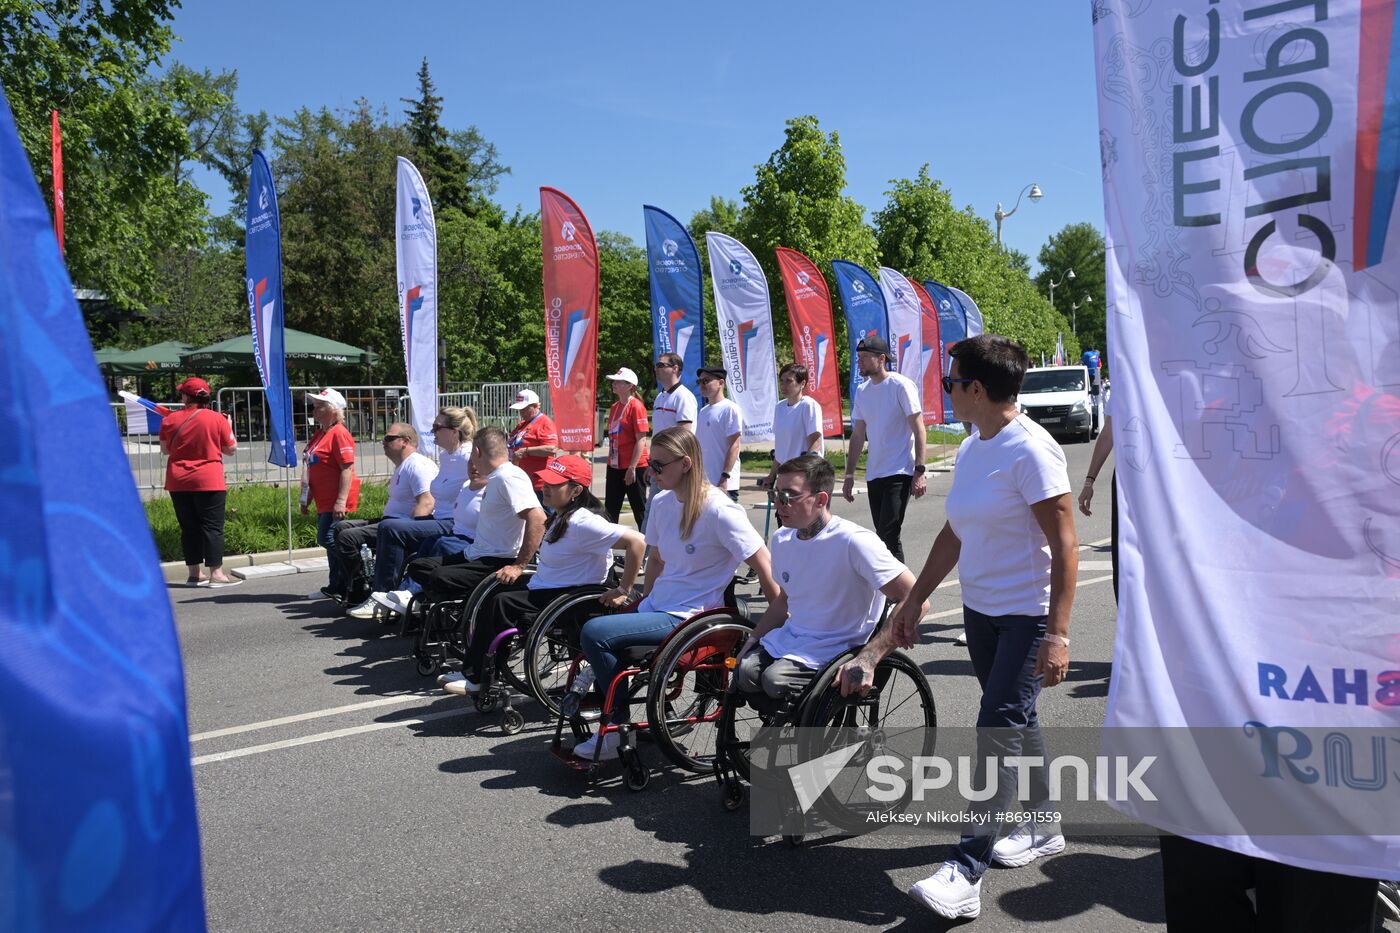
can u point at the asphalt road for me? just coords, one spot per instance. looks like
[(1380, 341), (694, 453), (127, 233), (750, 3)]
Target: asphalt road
[(338, 791)]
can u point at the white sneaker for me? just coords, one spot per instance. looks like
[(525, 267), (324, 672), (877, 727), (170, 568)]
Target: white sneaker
[(962, 639), (451, 676), (396, 601), (1029, 842), (949, 892), (463, 686), (365, 610), (585, 748)]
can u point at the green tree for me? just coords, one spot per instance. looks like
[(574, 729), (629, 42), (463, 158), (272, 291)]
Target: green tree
[(1079, 247), (122, 139), (444, 168), (923, 235)]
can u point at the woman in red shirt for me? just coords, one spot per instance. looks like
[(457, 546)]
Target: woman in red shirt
[(627, 449), (330, 484), (196, 440)]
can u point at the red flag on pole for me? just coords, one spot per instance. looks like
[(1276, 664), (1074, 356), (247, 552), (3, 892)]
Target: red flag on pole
[(929, 345), (570, 316), (57, 182), (813, 335)]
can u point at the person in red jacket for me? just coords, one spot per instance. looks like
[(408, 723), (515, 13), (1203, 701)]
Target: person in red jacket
[(330, 485), (534, 440), (195, 440), (627, 449)]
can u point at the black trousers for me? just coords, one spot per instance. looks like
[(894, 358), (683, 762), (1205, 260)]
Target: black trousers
[(452, 577), (516, 608), (889, 497), (201, 518), (636, 495), (349, 535), (1205, 890)]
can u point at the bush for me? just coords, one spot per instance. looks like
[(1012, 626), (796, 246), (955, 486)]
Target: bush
[(256, 520)]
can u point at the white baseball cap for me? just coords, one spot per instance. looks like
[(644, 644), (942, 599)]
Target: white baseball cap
[(626, 375), (329, 396), (524, 399)]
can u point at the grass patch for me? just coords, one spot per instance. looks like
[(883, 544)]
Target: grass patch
[(255, 520)]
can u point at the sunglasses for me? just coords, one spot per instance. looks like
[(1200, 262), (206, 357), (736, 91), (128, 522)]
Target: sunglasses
[(785, 496), (657, 466), (390, 438), (949, 382), (441, 427), (664, 366)]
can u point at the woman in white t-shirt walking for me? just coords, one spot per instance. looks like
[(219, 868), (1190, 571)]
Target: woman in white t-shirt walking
[(574, 553), (698, 537), (1010, 531), (797, 421)]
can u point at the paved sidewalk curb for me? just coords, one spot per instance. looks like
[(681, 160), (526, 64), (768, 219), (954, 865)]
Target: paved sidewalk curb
[(266, 564)]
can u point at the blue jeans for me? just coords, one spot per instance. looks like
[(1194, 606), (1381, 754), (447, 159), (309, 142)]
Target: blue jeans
[(325, 536), (398, 539), (442, 547), (1003, 651), (605, 637)]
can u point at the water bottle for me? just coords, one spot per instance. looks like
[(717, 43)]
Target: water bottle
[(583, 681), (366, 561)]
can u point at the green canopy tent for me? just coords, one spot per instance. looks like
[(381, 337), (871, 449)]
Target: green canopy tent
[(147, 361), (305, 352), (106, 353)]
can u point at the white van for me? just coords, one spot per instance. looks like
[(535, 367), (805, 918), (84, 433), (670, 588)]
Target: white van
[(1057, 398)]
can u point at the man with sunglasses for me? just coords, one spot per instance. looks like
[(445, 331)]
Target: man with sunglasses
[(887, 412), (409, 497), (835, 577)]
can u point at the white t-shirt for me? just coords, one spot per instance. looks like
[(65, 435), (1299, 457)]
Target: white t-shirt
[(410, 480), (466, 512), (500, 529), (451, 478), (829, 610), (718, 422), (672, 408), (885, 408), (1004, 566), (793, 424), (699, 568), (581, 557)]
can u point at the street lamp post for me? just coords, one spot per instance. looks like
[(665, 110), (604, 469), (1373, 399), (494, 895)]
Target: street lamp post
[(1001, 215), (1067, 277), (1074, 313)]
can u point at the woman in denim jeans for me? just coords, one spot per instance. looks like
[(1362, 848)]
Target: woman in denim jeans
[(1010, 532), (697, 538)]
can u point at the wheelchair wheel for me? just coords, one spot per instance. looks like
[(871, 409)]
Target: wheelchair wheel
[(427, 667), (512, 721), (896, 718), (551, 645), (738, 724), (688, 682)]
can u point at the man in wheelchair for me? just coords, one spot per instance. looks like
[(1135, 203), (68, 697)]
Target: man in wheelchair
[(821, 611)]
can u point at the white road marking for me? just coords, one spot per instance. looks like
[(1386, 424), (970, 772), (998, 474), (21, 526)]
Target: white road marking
[(327, 736), (303, 717), (387, 701)]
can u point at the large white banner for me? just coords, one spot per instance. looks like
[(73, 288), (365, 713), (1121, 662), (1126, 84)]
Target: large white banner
[(1250, 154), (906, 324), (745, 333), (417, 272)]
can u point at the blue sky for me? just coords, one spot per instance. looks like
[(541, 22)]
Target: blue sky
[(623, 103)]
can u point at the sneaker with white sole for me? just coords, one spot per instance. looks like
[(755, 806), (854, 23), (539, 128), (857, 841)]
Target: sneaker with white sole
[(949, 892), (365, 610), (1029, 842), (396, 601), (585, 749), (463, 686), (961, 639), (450, 676)]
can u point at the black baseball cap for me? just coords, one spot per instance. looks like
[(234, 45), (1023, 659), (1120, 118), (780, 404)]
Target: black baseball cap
[(873, 344)]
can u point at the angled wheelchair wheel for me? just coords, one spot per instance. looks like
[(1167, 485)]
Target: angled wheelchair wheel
[(896, 718), (549, 648), (688, 683)]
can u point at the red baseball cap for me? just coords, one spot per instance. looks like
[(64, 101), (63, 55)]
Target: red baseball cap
[(561, 470), (193, 386)]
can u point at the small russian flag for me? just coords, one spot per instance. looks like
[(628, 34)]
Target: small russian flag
[(143, 416)]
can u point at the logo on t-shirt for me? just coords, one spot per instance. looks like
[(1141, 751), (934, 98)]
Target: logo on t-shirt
[(785, 576), (690, 549)]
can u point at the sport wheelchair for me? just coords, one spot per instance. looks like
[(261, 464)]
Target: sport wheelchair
[(900, 702), (684, 681)]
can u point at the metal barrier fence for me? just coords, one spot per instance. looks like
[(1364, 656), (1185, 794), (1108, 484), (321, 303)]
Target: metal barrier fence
[(369, 412)]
